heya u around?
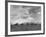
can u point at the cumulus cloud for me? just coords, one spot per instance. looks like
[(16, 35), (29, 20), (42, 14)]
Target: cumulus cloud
[(23, 15)]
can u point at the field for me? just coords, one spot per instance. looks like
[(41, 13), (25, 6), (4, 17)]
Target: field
[(25, 27)]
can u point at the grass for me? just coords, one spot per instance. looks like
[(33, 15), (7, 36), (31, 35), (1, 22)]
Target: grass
[(25, 27)]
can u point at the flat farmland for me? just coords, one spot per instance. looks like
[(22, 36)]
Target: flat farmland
[(25, 27)]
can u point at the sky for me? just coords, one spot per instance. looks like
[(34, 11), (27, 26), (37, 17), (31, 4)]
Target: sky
[(23, 14)]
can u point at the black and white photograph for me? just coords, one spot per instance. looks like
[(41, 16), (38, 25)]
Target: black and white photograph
[(25, 18)]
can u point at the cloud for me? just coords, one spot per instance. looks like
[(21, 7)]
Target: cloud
[(21, 15)]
